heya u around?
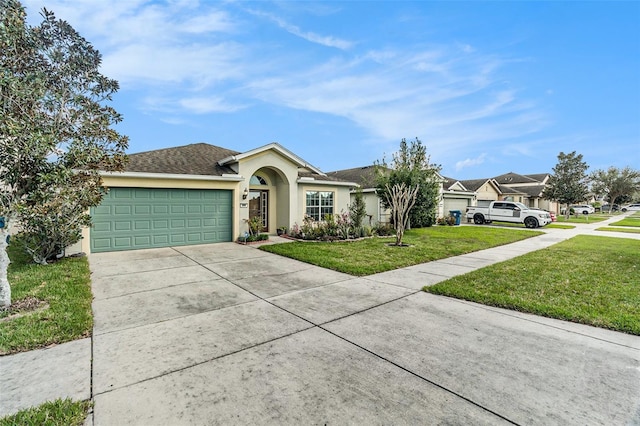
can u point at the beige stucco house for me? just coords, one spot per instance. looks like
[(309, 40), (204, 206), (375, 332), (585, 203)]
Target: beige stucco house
[(531, 188), (511, 186), (202, 193), (451, 197)]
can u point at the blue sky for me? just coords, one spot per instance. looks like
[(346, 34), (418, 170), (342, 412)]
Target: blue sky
[(489, 87)]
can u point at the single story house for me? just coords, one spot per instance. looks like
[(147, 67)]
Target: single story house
[(450, 197), (365, 177), (202, 193)]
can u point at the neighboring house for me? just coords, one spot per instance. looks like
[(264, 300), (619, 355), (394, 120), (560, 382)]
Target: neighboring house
[(527, 189), (485, 190), (202, 193), (365, 177), (455, 196), (451, 197)]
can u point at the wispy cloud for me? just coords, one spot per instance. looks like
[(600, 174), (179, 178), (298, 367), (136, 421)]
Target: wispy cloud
[(189, 57), (469, 162), (329, 41), (205, 105)]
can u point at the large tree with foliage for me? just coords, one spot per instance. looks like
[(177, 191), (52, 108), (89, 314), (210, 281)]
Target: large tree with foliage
[(615, 183), (411, 165), (569, 182), (55, 132)]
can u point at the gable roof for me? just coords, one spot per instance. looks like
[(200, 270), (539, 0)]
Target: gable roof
[(475, 184), (194, 159), (540, 177), (234, 158), (363, 176), (513, 178), (530, 190)]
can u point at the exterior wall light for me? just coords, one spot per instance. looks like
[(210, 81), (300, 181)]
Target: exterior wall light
[(245, 194)]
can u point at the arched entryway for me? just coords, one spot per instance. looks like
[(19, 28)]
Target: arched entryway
[(269, 199)]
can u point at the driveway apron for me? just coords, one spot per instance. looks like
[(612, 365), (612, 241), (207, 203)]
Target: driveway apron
[(228, 334)]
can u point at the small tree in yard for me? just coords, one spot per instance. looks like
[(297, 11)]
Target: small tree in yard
[(357, 210), (569, 183), (401, 198), (55, 133), (615, 183), (412, 166)]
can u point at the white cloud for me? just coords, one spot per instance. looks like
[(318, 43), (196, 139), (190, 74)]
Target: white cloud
[(189, 57), (205, 105), (469, 162), (312, 37)]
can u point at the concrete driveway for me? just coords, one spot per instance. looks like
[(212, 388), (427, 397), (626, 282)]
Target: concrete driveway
[(228, 334)]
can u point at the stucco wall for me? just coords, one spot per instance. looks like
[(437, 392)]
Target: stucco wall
[(342, 198), (282, 175)]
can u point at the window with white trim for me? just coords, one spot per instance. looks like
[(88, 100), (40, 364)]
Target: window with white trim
[(319, 204)]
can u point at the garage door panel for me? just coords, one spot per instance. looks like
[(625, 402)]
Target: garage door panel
[(455, 204), (121, 210), (122, 226), (133, 218), (177, 223)]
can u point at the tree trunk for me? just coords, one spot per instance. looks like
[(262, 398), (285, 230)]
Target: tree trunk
[(5, 288)]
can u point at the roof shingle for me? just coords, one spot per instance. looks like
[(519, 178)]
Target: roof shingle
[(194, 159)]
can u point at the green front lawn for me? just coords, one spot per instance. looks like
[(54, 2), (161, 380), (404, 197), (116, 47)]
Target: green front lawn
[(55, 413), (627, 230), (584, 218), (559, 226), (587, 279), (55, 301), (373, 255), (629, 221)]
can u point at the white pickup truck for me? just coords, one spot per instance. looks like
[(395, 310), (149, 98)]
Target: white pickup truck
[(509, 211)]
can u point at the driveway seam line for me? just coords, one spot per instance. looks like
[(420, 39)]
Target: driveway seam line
[(431, 382), (179, 317), (489, 308), (211, 359), (156, 289)]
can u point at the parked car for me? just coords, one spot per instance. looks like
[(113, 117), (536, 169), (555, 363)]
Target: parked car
[(579, 209), (631, 208), (609, 208), (508, 211)]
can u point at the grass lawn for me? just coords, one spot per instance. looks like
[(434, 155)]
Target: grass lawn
[(559, 226), (628, 221), (61, 293), (584, 218), (55, 413), (627, 230), (373, 255), (587, 279)]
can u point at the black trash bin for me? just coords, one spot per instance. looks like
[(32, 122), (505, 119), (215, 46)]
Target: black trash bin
[(457, 214)]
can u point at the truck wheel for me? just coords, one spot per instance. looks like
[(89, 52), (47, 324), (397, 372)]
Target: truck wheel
[(478, 219), (531, 222)]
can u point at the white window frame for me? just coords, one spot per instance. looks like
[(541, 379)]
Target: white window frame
[(323, 204)]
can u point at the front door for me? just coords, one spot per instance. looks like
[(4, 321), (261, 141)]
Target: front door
[(259, 207)]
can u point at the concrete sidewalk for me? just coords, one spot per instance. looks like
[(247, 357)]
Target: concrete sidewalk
[(228, 334)]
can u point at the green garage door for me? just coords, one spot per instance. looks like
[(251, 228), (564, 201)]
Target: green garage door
[(137, 218)]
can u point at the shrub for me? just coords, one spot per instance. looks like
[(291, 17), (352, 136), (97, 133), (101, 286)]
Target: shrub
[(384, 230), (446, 221)]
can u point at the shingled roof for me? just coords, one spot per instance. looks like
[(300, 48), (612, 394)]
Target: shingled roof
[(513, 178), (194, 159), (531, 191), (363, 176), (473, 184)]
